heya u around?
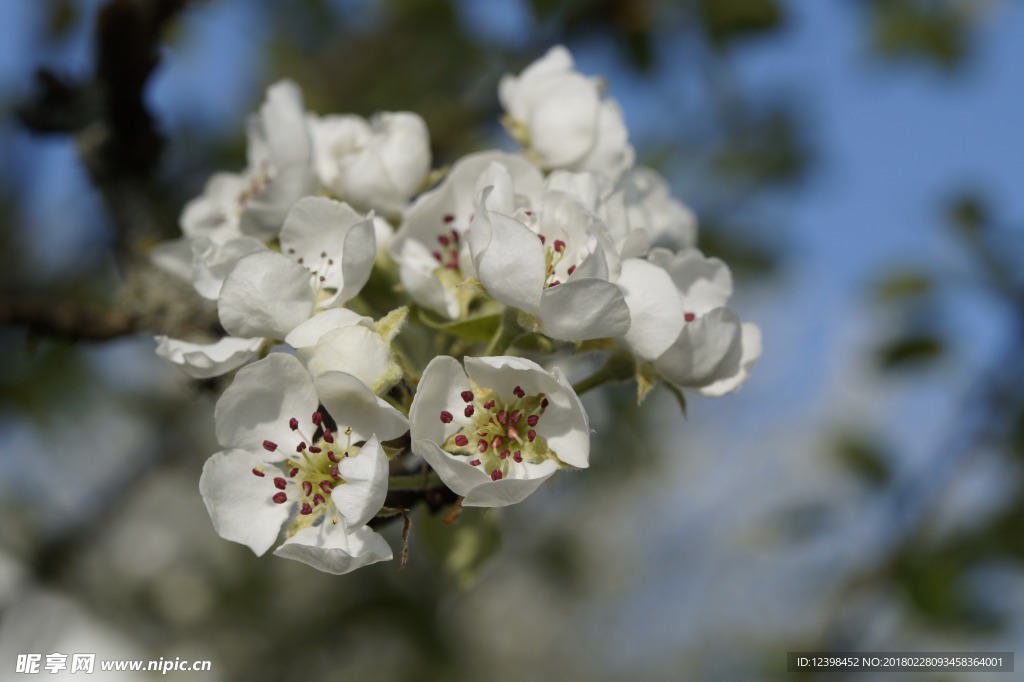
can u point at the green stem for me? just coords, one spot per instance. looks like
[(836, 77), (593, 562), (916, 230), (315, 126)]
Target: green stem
[(508, 331), (618, 366), (413, 482)]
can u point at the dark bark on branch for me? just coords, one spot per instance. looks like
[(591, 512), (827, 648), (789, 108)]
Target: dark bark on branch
[(65, 320)]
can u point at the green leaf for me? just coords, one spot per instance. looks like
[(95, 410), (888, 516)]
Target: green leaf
[(903, 285), (478, 328), (911, 352), (867, 460)]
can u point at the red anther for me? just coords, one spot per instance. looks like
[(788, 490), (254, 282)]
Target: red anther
[(517, 456), (293, 423), (474, 463), (317, 417), (572, 269), (280, 498), (326, 486), (689, 317), (331, 456), (543, 403), (515, 416), (280, 483), (482, 446), (559, 245), (258, 472), (306, 509), (468, 411), (461, 440), (531, 435), (489, 404), (502, 417), (328, 436), (269, 445), (446, 417), (307, 488), (467, 396), (444, 239), (505, 454), (300, 447), (448, 218), (334, 472), (318, 499), (513, 432), (437, 256), (496, 442), (542, 239), (496, 475), (555, 283), (314, 449), (528, 214), (294, 470), (533, 419), (518, 390)]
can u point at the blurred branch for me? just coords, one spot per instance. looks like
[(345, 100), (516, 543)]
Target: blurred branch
[(65, 320)]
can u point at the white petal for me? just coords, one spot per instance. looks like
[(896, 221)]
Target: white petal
[(214, 213), (329, 548), (366, 484), (439, 389), (456, 472), (240, 503), (265, 211), (583, 309), (509, 490), (611, 154), (351, 403), (284, 124), (260, 401), (310, 331), (563, 122), (202, 361), (212, 261), (703, 283), (751, 340), (708, 349), (355, 350), (265, 295), (655, 308), (508, 258)]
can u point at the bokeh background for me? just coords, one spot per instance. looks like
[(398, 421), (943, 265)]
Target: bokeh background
[(858, 163)]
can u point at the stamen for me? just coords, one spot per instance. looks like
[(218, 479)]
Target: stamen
[(446, 417), (489, 404), (293, 423), (461, 440), (334, 473), (496, 442), (689, 317), (279, 498), (531, 435), (502, 417), (467, 396), (515, 416), (505, 454), (306, 509), (448, 218), (318, 499), (496, 475), (293, 471), (482, 446), (572, 269), (258, 471), (269, 445), (543, 403), (317, 417), (326, 487), (517, 456), (474, 463), (314, 449), (513, 432), (520, 393), (328, 436), (300, 447), (559, 245), (331, 456), (468, 411), (307, 488), (533, 419), (280, 483)]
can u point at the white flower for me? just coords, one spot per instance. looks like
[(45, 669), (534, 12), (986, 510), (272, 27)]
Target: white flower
[(327, 255), (562, 116), (288, 466), (641, 213), (430, 247), (205, 360), (373, 165), (495, 435), (680, 323), (551, 263)]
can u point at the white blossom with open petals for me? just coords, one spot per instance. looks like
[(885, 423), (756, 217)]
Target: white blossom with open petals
[(563, 118), (285, 468), (680, 322), (498, 429), (641, 213), (555, 263), (431, 248), (327, 254), (373, 165)]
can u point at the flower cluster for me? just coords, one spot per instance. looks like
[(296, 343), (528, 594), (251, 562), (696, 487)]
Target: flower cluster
[(337, 239)]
